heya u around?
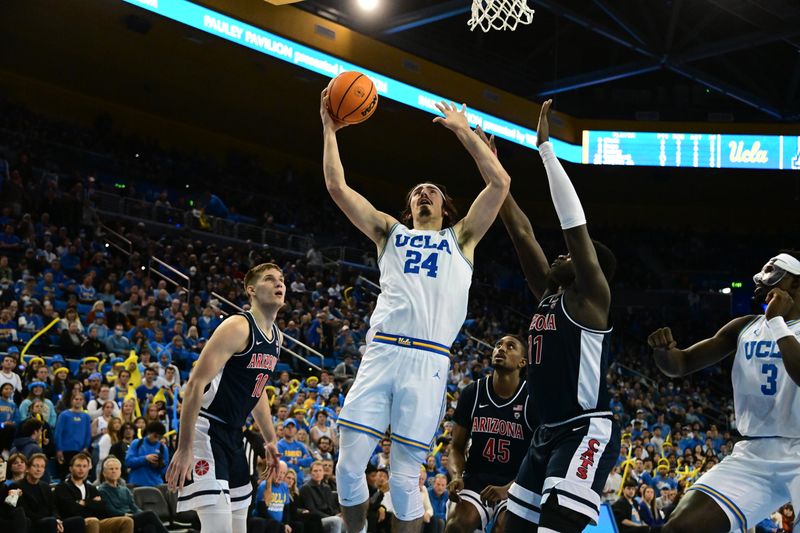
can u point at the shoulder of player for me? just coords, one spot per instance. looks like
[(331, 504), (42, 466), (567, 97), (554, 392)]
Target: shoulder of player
[(736, 326)]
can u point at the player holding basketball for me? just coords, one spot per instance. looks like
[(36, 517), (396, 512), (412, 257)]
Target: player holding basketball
[(573, 450), (763, 472), (493, 413), (425, 273), (209, 467)]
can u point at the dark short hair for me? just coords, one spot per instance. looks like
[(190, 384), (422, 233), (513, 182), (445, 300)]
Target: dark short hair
[(35, 456), (447, 205), (30, 427), (155, 427)]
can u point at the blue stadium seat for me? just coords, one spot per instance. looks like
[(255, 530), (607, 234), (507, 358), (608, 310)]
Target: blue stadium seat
[(282, 367), (60, 306), (83, 309), (24, 336), (74, 366)]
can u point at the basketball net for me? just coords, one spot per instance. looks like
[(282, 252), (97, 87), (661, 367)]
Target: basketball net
[(499, 14)]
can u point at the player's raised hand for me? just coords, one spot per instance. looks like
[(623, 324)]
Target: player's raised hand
[(543, 129), (328, 122), (489, 141), (779, 303), (453, 487), (661, 339), (180, 469), (454, 119)]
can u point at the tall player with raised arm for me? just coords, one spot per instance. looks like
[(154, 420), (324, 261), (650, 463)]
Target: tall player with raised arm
[(210, 468), (425, 264), (763, 471), (576, 444)]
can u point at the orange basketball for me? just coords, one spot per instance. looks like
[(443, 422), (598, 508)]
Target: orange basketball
[(352, 97)]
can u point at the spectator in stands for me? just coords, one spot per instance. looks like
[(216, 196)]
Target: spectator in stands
[(16, 465), (29, 438), (117, 342), (626, 510), (272, 497), (108, 439), (429, 523), (324, 450), (8, 415), (294, 453), (73, 433), (382, 458), (76, 497), (147, 457), (70, 317), (320, 501), (8, 328), (125, 437), (7, 375), (611, 488), (149, 388), (648, 512), (119, 499), (438, 497), (71, 341), (37, 390), (39, 504), (92, 344), (321, 428)]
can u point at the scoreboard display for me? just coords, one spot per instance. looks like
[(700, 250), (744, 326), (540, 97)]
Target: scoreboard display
[(699, 150)]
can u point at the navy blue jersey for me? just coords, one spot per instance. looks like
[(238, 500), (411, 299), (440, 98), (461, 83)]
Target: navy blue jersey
[(235, 390), (567, 365), (500, 430)]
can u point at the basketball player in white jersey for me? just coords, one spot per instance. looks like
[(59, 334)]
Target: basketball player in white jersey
[(426, 271), (210, 467), (763, 472)]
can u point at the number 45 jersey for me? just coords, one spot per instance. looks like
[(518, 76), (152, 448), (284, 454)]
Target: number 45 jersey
[(425, 282), (766, 400)]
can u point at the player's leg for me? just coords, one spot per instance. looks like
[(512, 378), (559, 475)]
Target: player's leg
[(362, 422), (468, 515), (697, 508), (580, 461), (525, 495), (216, 517), (740, 491), (500, 520), (418, 401), (241, 489)]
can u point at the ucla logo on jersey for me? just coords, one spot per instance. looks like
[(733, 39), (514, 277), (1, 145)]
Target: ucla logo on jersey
[(403, 341), (422, 242), (761, 350)]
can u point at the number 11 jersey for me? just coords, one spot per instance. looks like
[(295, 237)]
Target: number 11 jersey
[(425, 282), (567, 365)]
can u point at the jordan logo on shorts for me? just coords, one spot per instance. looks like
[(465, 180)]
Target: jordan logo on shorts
[(436, 375)]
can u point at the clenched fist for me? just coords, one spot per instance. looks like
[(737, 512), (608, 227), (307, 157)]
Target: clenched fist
[(661, 339)]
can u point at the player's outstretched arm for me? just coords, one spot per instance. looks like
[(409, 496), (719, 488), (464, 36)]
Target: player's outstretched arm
[(676, 363), (373, 223), (779, 305), (590, 283), (532, 258), (228, 339), (471, 229)]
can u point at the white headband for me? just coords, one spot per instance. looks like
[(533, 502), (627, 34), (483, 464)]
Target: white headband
[(432, 186), (787, 262)]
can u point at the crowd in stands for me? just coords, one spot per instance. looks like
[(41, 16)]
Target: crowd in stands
[(90, 413)]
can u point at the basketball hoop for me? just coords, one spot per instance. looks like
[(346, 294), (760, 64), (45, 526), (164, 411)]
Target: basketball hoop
[(499, 14)]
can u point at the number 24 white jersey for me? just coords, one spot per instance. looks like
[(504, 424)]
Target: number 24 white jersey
[(766, 400), (425, 282)]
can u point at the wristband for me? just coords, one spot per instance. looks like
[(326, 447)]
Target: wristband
[(777, 326)]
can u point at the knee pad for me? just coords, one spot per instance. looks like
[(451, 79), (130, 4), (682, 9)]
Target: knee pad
[(404, 482), (355, 449)]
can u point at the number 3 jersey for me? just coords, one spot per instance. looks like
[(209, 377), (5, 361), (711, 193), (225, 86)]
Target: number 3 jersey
[(567, 365), (425, 282), (766, 400), (500, 430), (235, 390)]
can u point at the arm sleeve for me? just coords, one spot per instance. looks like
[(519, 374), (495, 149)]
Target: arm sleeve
[(466, 402), (565, 199)]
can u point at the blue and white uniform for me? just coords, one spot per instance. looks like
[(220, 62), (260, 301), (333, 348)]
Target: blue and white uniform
[(220, 465), (402, 378), (763, 471)]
